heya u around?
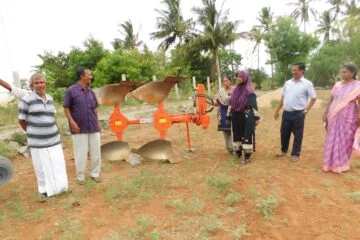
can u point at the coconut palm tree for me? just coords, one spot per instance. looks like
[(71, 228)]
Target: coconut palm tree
[(336, 7), (131, 40), (171, 25), (217, 31), (326, 25), (303, 10), (336, 10), (352, 17), (265, 19), (257, 37)]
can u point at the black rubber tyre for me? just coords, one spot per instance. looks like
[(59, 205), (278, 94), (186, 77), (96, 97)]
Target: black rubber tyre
[(6, 170)]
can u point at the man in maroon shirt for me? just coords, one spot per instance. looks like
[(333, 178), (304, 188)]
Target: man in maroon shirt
[(80, 109)]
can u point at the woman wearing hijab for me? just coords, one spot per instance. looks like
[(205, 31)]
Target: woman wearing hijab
[(342, 119), (222, 101), (242, 112)]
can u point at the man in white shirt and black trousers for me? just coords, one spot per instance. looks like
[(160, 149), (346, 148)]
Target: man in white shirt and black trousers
[(295, 99)]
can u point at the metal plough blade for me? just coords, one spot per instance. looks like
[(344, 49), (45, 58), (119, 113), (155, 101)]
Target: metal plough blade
[(112, 94), (159, 150), (115, 151), (157, 91)]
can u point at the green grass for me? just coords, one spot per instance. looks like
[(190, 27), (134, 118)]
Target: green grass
[(38, 214), (181, 206), (311, 193), (8, 114), (90, 185), (211, 224), (233, 198), (71, 229), (3, 217), (16, 209), (143, 186), (240, 232), (139, 231), (266, 206), (354, 196), (19, 137), (221, 183), (7, 151)]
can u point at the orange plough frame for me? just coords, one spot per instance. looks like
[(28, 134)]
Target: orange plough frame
[(162, 120)]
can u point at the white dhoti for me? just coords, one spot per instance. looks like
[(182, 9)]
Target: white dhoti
[(50, 169)]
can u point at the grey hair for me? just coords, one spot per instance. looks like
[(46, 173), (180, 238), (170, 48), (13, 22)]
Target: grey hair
[(352, 69), (36, 76)]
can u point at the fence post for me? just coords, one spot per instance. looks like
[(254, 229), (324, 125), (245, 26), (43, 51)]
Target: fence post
[(208, 85), (194, 82), (177, 92), (123, 78)]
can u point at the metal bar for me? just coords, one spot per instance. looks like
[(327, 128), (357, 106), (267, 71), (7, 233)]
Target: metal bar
[(188, 136)]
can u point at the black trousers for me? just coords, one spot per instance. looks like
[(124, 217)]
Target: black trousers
[(292, 122)]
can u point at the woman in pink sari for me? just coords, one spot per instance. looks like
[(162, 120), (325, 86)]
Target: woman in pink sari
[(342, 118)]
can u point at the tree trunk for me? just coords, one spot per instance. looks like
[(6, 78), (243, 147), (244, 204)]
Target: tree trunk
[(304, 27), (272, 71), (259, 57), (215, 73)]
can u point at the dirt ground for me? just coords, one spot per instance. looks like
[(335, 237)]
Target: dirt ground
[(210, 196)]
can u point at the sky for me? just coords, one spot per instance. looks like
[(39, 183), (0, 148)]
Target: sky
[(30, 27)]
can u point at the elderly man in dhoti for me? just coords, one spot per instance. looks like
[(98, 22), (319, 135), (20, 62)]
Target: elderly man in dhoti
[(36, 117)]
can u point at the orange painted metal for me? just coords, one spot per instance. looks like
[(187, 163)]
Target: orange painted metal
[(162, 120)]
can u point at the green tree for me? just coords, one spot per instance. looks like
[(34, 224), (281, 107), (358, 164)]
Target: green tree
[(55, 67), (352, 18), (265, 19), (171, 25), (258, 76), (288, 44), (257, 37), (135, 65), (218, 31), (93, 51), (336, 9), (325, 72), (131, 40), (230, 61), (302, 11), (326, 25), (117, 44)]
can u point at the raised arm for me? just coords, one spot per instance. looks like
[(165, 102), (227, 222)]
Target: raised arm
[(4, 84)]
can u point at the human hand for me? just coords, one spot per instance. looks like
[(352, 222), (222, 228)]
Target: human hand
[(74, 127), (358, 121), (324, 118), (277, 114)]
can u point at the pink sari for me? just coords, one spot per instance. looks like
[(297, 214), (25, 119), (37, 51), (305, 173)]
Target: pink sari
[(341, 127)]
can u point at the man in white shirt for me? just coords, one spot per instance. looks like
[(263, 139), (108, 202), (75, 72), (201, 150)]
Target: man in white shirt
[(16, 92), (295, 99)]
